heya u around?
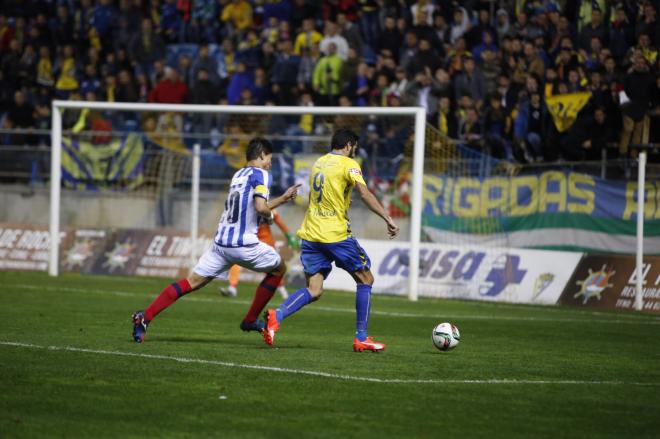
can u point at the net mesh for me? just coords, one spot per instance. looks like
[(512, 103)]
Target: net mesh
[(135, 168)]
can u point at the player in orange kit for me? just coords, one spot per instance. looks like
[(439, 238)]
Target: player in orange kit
[(265, 235)]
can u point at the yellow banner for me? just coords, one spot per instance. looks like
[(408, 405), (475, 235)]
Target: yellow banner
[(565, 108)]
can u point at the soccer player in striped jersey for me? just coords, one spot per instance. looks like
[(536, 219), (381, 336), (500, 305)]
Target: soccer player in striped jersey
[(265, 235), (235, 242), (326, 238)]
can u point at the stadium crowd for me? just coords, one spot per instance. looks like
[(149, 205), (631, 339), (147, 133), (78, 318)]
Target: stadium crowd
[(483, 70)]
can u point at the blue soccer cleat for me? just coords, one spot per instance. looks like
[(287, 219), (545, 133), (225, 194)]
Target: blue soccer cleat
[(139, 326), (258, 325)]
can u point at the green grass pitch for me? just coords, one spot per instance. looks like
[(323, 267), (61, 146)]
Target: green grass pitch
[(68, 368)]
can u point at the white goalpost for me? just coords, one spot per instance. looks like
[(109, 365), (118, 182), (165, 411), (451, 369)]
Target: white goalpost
[(417, 114)]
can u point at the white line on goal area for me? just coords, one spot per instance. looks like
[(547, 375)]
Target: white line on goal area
[(318, 374), (622, 319)]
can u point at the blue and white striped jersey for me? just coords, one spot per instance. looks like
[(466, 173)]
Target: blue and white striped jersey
[(238, 224)]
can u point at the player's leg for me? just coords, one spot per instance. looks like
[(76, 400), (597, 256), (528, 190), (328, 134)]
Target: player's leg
[(266, 237), (264, 259), (232, 289), (350, 256), (210, 265), (317, 265)]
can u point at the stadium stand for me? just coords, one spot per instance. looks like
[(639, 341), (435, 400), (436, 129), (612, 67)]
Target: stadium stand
[(494, 75)]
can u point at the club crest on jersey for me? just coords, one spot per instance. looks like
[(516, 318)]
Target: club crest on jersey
[(121, 254)]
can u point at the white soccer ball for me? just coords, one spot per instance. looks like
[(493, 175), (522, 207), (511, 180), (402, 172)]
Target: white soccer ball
[(446, 336)]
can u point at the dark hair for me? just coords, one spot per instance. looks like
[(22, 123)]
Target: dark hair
[(256, 147), (343, 137)]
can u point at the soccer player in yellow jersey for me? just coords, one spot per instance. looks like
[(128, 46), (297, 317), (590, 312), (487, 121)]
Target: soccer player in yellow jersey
[(326, 237)]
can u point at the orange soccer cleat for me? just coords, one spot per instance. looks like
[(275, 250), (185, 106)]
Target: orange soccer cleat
[(272, 325), (368, 345)]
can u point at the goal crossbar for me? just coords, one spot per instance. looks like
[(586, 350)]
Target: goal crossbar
[(418, 113)]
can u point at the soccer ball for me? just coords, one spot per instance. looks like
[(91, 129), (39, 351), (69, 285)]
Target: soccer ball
[(446, 336)]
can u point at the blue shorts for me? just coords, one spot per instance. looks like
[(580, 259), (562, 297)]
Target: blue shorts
[(317, 257)]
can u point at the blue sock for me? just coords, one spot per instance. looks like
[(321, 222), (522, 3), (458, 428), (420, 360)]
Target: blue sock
[(362, 309), (293, 304)]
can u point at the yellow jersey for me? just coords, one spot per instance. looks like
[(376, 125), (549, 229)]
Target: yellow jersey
[(331, 182)]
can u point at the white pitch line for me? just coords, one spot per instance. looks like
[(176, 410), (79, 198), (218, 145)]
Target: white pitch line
[(319, 374), (631, 320)]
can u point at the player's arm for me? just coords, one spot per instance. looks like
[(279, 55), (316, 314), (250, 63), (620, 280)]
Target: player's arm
[(374, 205), (264, 207)]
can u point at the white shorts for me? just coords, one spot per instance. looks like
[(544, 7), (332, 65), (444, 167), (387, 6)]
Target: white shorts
[(217, 260)]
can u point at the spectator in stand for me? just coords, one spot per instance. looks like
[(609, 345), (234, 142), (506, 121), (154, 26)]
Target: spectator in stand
[(529, 129), (490, 69), (306, 67), (495, 127), (66, 82), (326, 80), (203, 92), (307, 37), (408, 52), (427, 57), (204, 61), (447, 123), (126, 89), (240, 80), (143, 86), (91, 81), (358, 88), (649, 52), (503, 25), (471, 82), (369, 20), (21, 112), (422, 13), (648, 23), (596, 28), (234, 146), (588, 136), (349, 68), (227, 59), (331, 37), (184, 69), (389, 38), (62, 26), (171, 22), (483, 26), (470, 130), (104, 17), (622, 34), (45, 76), (424, 92), (460, 25), (485, 42), (238, 15), (636, 101), (170, 90), (351, 33), (146, 47), (285, 74), (10, 63)]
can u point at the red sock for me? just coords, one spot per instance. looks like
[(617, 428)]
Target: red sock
[(167, 297), (264, 293)]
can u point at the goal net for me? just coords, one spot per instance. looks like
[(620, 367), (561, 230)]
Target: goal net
[(118, 167)]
